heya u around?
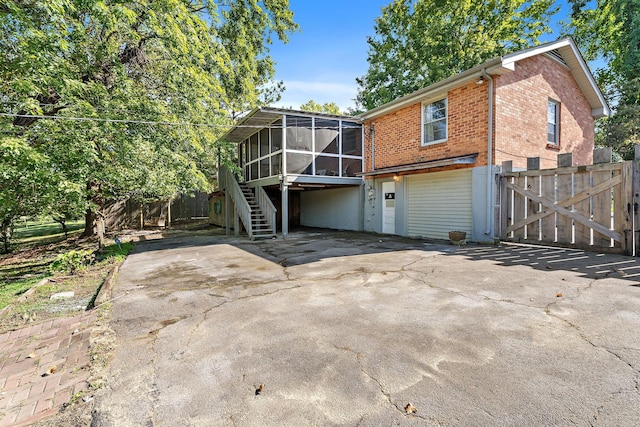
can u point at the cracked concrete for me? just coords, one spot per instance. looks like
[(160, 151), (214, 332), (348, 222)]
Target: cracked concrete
[(348, 328)]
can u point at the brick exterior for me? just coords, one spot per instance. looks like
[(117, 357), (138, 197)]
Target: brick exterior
[(520, 107), (521, 114), (398, 134)]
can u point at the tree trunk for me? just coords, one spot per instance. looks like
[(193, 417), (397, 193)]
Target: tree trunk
[(100, 229), (89, 219), (5, 234), (63, 223)]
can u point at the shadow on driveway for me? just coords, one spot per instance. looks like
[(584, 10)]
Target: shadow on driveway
[(588, 264), (308, 245)]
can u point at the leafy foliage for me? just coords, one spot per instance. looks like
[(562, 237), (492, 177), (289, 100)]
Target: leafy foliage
[(419, 42), (611, 31), (327, 107), (116, 253), (159, 79), (72, 261), (26, 181)]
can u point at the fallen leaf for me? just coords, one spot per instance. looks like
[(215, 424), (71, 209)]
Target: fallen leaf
[(559, 295), (52, 370), (410, 409)]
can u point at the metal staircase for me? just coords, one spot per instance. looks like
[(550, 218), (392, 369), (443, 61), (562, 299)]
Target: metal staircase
[(251, 205)]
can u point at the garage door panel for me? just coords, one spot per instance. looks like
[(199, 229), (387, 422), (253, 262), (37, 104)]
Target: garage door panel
[(438, 203)]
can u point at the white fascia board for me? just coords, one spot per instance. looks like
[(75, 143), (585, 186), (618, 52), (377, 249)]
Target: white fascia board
[(510, 59), (601, 110), (497, 66), (442, 86)]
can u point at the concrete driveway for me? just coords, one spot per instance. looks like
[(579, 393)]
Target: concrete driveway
[(334, 328)]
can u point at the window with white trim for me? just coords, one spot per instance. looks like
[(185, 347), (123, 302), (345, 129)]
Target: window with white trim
[(553, 122), (434, 122)]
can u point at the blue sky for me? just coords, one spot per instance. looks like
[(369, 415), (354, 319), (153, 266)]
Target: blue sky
[(323, 60)]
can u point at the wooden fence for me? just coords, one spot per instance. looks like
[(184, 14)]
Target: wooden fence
[(133, 214), (590, 207)]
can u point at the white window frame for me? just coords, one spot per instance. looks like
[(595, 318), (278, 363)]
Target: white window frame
[(424, 122), (556, 123)]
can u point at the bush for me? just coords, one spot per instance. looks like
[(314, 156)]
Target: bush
[(115, 253), (71, 261)]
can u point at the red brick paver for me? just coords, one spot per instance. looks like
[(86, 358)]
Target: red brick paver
[(27, 392)]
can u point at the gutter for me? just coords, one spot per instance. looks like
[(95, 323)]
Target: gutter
[(373, 146), (441, 86), (490, 210)]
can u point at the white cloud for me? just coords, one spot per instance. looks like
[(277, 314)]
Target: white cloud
[(298, 92)]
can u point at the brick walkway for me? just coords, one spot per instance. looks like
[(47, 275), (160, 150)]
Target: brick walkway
[(27, 392)]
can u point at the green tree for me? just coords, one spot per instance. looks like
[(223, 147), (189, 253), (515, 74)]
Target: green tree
[(327, 107), (610, 31), (160, 79), (419, 42), (25, 179)]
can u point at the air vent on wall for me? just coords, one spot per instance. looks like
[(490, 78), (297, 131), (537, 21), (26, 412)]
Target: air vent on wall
[(555, 54)]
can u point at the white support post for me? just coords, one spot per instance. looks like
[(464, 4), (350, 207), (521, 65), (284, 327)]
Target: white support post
[(285, 209)]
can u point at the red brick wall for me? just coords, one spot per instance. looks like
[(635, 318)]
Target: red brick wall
[(521, 114), (398, 134), (520, 108)]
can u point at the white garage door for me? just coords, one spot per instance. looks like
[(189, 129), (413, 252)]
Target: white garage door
[(439, 202)]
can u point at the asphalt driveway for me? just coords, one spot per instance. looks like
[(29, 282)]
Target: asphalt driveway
[(349, 329)]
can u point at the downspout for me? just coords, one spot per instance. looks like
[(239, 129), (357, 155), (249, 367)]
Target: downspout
[(373, 146), (490, 210)]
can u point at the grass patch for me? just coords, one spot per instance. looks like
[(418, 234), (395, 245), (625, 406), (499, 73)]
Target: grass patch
[(40, 250), (115, 253), (9, 291), (42, 229)]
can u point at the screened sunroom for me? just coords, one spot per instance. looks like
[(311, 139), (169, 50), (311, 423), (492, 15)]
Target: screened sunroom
[(293, 151), (320, 146)]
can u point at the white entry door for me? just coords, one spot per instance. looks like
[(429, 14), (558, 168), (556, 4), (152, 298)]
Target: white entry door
[(389, 207)]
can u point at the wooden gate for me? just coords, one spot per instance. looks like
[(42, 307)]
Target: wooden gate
[(589, 207)]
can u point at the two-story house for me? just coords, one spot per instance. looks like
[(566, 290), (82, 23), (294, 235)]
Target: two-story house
[(430, 157), (424, 164)]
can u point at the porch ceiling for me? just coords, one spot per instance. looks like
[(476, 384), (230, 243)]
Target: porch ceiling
[(254, 121), (262, 117)]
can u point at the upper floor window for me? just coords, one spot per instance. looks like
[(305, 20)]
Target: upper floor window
[(434, 122), (553, 122)]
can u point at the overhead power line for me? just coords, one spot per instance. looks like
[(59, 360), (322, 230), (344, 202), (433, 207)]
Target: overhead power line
[(151, 122), (98, 119)]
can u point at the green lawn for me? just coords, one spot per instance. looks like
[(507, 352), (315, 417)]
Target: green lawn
[(17, 276), (33, 229), (35, 258)]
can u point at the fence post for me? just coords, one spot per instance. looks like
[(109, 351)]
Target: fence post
[(635, 199), (602, 155), (532, 208), (565, 160), (505, 199)]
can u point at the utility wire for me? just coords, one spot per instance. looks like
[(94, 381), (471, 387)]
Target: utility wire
[(149, 122), (98, 119)]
